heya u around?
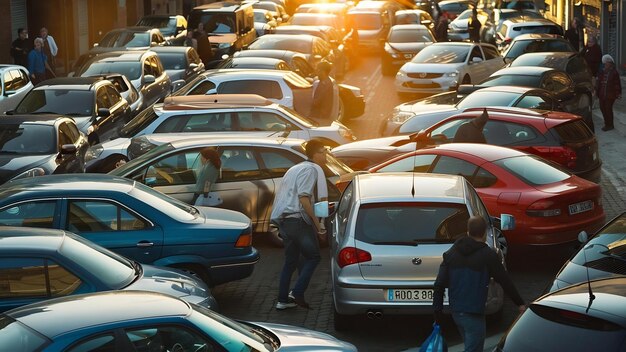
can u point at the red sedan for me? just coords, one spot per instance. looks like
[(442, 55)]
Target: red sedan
[(550, 206)]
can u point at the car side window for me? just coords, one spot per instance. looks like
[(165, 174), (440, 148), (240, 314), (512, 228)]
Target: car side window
[(260, 121), (535, 102), (417, 163), (203, 88), (101, 216), (343, 211), (483, 178), (31, 214), (264, 88), (193, 56), (508, 133), (238, 165), (209, 122), (170, 338), (476, 53), (114, 95), (453, 166), (102, 98), (176, 169), (99, 343), (157, 66), (65, 136), (490, 52), (147, 67), (277, 162), (73, 132), (8, 81), (449, 129), (35, 277)]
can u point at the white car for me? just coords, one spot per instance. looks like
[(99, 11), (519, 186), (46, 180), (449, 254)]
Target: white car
[(15, 84), (441, 67), (514, 27), (232, 114)]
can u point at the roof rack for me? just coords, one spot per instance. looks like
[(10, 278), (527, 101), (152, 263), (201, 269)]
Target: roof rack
[(192, 102), (507, 110)]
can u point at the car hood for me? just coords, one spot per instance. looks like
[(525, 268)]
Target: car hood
[(12, 165), (171, 282), (294, 338), (431, 67), (222, 38), (410, 47), (218, 218)]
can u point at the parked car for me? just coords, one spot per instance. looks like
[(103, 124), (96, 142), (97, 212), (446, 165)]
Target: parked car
[(574, 95), (600, 256), (458, 28), (16, 83), (381, 263), (427, 115), (277, 10), (143, 68), (39, 264), (252, 169), (126, 89), (142, 321), (182, 64), (36, 145), (134, 38), (403, 42), (489, 30), (264, 63), (264, 22), (536, 43), (585, 317), (513, 182), (135, 221), (556, 136), (372, 21), (442, 67), (340, 10), (454, 8), (231, 114), (173, 28), (422, 17), (94, 103), (513, 27)]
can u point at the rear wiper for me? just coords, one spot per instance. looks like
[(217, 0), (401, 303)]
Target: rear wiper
[(397, 243), (74, 114), (44, 112)]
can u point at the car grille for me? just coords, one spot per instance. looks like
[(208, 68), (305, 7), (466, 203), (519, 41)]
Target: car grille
[(421, 85), (608, 264), (427, 75)]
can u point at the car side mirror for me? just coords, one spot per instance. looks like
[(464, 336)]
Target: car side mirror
[(154, 43), (147, 79), (507, 222), (426, 22), (193, 65), (104, 112), (477, 59), (583, 237), (9, 93), (95, 45), (68, 149), (9, 112)]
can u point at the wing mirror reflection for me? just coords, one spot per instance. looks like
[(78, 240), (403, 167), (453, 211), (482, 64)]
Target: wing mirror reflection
[(507, 222)]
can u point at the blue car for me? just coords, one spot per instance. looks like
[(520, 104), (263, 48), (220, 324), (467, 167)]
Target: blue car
[(135, 221), (147, 321), (38, 264)]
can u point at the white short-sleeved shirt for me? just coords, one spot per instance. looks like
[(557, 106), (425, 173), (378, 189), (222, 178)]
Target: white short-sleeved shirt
[(299, 180)]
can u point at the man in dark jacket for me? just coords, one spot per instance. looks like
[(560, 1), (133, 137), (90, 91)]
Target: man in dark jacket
[(473, 27), (21, 47), (472, 132), (465, 271), (575, 35), (593, 55)]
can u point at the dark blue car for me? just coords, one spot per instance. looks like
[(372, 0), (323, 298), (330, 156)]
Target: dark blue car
[(38, 264), (135, 221)]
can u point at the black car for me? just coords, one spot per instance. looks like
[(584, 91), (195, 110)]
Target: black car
[(134, 38), (590, 316), (173, 28), (94, 103), (574, 93), (36, 145), (181, 63)]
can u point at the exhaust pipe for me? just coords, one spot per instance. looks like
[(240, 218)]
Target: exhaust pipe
[(374, 314)]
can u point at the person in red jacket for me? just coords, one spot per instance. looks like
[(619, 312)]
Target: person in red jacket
[(608, 89)]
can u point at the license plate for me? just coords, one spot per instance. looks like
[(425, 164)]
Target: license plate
[(580, 207), (408, 56), (413, 295)]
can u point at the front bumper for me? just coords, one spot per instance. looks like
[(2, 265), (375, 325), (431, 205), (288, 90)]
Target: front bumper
[(405, 84)]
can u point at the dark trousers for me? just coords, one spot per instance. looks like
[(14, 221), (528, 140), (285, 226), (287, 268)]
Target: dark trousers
[(39, 77), (606, 106)]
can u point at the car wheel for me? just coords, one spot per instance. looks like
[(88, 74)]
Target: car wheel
[(113, 163), (341, 322), (195, 271), (467, 80)]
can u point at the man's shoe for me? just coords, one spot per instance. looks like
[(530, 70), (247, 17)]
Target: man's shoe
[(291, 296), (607, 128), (301, 302), (286, 305)]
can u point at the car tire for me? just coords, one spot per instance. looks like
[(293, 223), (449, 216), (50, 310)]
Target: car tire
[(467, 80), (341, 322), (113, 163), (195, 271)]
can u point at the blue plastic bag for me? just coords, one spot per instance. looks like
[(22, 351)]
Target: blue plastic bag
[(434, 342)]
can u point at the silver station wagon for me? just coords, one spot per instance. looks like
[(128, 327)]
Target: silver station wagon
[(388, 237)]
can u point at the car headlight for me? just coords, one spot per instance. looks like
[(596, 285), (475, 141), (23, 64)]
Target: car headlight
[(139, 146), (224, 45), (401, 73), (346, 133), (93, 152), (37, 171), (400, 117), (452, 74)]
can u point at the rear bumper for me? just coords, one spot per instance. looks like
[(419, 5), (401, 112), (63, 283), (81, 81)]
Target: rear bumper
[(235, 268), (552, 235), (593, 175)]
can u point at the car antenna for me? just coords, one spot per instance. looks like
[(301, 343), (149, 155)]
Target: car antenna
[(591, 295)]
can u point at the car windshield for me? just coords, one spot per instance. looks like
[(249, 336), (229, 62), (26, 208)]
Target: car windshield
[(394, 223), (142, 159), (26, 138), (487, 98), (74, 103), (365, 21), (139, 122), (308, 20), (294, 115), (407, 18), (14, 333), (611, 240), (130, 69), (260, 17), (113, 270), (511, 14), (166, 25), (172, 207), (521, 47), (266, 5), (532, 170), (222, 328), (410, 36), (283, 42), (213, 22), (173, 61), (512, 80), (442, 54), (548, 29), (125, 39)]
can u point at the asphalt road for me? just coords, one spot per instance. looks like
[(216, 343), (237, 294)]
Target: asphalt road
[(531, 269)]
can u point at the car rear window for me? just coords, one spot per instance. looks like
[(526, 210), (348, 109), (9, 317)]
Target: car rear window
[(535, 29), (411, 222), (19, 336), (574, 131), (532, 170)]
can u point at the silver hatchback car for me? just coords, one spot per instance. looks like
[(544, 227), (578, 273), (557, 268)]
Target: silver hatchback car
[(388, 237)]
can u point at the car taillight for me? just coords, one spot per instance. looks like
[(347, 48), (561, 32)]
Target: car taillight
[(351, 255), (543, 208), (507, 40), (562, 155), (244, 240)]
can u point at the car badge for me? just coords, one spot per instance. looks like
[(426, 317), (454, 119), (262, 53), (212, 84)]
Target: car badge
[(416, 261), (422, 74)]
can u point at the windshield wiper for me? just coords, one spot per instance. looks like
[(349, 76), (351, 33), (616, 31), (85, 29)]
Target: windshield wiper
[(74, 114)]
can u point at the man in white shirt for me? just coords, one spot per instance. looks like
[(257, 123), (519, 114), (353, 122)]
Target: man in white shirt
[(49, 48)]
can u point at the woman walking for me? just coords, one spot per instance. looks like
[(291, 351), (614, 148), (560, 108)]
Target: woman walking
[(206, 178), (608, 89)]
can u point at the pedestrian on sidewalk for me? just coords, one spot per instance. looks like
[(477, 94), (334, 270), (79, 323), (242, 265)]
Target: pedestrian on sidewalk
[(473, 26), (608, 89), (208, 173), (574, 34), (21, 47), (465, 271), (50, 49), (593, 55), (37, 63), (441, 28), (300, 229), (324, 108)]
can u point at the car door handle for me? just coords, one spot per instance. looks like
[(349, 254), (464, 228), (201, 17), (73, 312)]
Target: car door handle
[(143, 244)]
